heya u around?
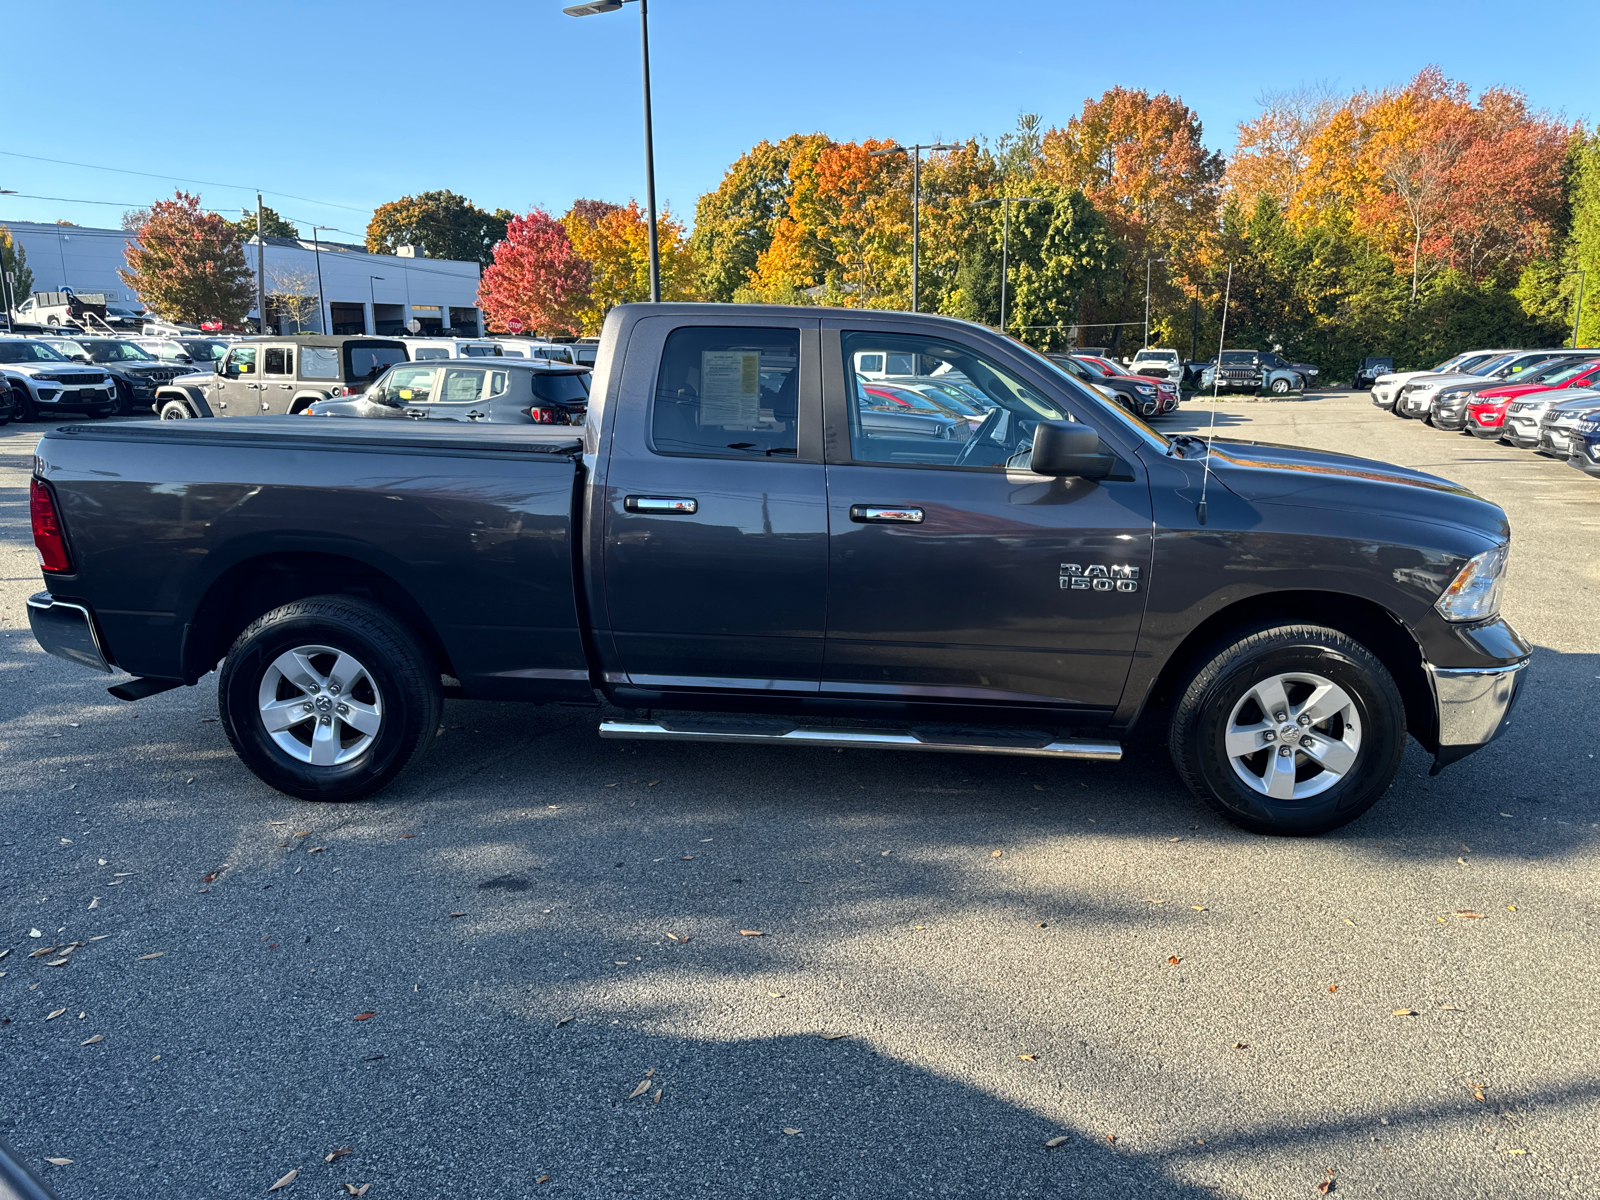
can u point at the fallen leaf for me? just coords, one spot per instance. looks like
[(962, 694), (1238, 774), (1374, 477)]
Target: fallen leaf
[(58, 962), (1198, 907), (656, 1099), (316, 849), (40, 953), (3, 953), (751, 933), (1477, 1093), (1111, 1137), (1174, 960), (366, 1016), (1469, 916), (995, 853), (562, 1022), (1241, 1045), (1028, 1057), (1462, 861), (157, 954), (285, 1181), (621, 962), (776, 995), (1405, 1012), (55, 1014), (60, 1162), (99, 937), (1057, 1141), (644, 1086), (790, 1130), (1502, 1152), (339, 1153), (1324, 1187), (404, 836), (542, 1179), (304, 833), (833, 1037)]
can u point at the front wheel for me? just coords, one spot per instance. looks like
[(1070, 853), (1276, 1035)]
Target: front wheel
[(1281, 387), (175, 410), (329, 698), (1291, 729)]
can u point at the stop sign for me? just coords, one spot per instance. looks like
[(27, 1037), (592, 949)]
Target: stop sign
[(515, 324)]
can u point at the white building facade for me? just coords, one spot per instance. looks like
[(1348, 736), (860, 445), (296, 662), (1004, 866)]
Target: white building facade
[(356, 292)]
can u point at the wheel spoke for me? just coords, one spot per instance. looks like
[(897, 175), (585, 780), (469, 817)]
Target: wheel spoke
[(345, 672), (1280, 777), (1324, 702), (1244, 739), (297, 669), (361, 717), (1333, 755), (325, 745), (284, 714), (1271, 697)]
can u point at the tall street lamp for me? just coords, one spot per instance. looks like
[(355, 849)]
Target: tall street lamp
[(594, 8), (1148, 259), (373, 296), (915, 154), (1005, 203), (322, 301), (1577, 308)]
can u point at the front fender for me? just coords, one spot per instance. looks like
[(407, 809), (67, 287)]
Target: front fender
[(195, 397)]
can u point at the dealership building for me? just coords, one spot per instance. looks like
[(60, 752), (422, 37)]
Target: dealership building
[(356, 292)]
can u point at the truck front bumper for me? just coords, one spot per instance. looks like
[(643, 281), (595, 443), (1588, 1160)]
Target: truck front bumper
[(67, 631), (1474, 705)]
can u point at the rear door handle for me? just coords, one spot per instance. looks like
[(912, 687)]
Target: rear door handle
[(286, 386), (866, 513), (684, 505)]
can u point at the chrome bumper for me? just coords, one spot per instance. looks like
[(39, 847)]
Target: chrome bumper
[(1473, 706), (66, 630)]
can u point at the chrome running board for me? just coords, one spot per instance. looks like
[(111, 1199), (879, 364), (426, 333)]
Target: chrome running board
[(758, 733)]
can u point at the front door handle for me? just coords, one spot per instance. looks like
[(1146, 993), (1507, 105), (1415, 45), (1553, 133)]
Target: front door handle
[(675, 505), (887, 513), (286, 386)]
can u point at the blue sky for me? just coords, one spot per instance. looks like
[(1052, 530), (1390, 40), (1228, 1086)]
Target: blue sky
[(347, 105)]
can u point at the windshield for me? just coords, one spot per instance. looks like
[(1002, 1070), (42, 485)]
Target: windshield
[(27, 352), (1488, 366), (202, 351), (116, 352), (1519, 365)]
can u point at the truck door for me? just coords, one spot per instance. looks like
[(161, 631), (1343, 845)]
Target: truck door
[(956, 575), (714, 507), (277, 379), (238, 388)]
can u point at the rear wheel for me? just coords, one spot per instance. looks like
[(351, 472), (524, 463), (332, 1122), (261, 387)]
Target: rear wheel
[(175, 410), (1291, 729), (1281, 387), (329, 698)]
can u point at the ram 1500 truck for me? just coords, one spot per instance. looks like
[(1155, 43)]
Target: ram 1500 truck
[(731, 552)]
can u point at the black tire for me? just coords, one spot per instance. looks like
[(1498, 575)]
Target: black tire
[(399, 672), (1225, 679), (174, 410), (124, 400)]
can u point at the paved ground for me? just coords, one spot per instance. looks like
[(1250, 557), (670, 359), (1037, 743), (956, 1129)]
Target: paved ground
[(993, 939)]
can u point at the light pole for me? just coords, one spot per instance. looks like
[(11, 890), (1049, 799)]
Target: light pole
[(1148, 259), (1005, 203), (915, 154), (322, 301), (8, 295), (373, 296), (1577, 308), (594, 8)]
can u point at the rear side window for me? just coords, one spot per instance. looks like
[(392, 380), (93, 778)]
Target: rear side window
[(728, 393), (428, 352), (368, 362), (319, 362)]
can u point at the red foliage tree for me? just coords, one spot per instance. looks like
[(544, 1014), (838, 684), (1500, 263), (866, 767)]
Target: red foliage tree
[(536, 276)]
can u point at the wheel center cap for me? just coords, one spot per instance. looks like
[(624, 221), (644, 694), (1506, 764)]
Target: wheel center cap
[(324, 704), (1289, 732)]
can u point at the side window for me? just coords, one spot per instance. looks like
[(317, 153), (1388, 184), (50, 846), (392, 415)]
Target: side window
[(948, 406), (320, 362), (276, 361), (461, 383), (728, 392), (241, 361), (497, 383), (410, 385), (427, 352)]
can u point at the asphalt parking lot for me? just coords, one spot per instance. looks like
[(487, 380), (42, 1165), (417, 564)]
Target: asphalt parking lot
[(525, 970)]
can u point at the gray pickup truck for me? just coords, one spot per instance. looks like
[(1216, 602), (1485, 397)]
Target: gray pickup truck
[(727, 551)]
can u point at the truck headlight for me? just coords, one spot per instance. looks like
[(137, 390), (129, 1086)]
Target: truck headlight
[(1474, 594)]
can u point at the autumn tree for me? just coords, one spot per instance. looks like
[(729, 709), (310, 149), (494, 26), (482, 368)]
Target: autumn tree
[(734, 225), (14, 261), (537, 277), (444, 224), (188, 264), (1273, 150), (615, 242)]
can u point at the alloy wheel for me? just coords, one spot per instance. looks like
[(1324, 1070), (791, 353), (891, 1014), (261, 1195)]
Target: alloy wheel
[(320, 705), (1293, 736)]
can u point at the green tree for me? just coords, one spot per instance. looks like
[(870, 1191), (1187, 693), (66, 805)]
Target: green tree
[(733, 225), (188, 264), (444, 224), (1585, 255), (271, 224), (14, 261)]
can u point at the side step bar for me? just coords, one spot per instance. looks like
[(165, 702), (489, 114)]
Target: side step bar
[(862, 740)]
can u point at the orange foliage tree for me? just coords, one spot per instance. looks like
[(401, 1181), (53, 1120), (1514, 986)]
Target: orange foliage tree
[(615, 241)]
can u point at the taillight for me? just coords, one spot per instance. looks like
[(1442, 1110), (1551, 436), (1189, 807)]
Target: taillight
[(547, 416), (47, 535)]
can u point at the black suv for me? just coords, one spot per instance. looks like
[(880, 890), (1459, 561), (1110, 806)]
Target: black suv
[(136, 372), (279, 375)]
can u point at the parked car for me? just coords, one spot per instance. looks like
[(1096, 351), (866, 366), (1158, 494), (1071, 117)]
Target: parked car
[(1386, 388), (468, 389), (1370, 370), (136, 371), (1558, 427), (1139, 394), (1586, 445), (1486, 409), (64, 309), (1167, 392), (10, 399), (187, 351), (545, 351), (422, 348), (279, 375), (1027, 591), (1415, 399), (1162, 364), (50, 383), (1257, 371), (1524, 417)]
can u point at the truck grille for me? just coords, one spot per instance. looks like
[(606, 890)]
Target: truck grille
[(75, 378)]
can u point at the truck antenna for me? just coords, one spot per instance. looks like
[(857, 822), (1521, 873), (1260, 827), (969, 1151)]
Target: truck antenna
[(1216, 381)]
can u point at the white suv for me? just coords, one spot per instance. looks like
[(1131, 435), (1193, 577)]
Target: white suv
[(54, 384), (1161, 364)]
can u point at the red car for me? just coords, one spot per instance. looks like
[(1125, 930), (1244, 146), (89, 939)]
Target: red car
[(1486, 412)]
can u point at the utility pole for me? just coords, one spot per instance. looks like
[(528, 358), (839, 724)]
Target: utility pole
[(322, 301), (1005, 203), (1148, 259), (914, 153), (1577, 309), (261, 266)]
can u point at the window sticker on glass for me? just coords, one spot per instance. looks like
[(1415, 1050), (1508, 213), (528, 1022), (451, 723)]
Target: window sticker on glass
[(730, 387)]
